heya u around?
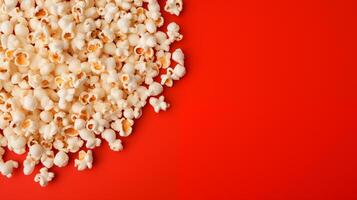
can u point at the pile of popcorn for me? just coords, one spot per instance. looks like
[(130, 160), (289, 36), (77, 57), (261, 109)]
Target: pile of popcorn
[(76, 72)]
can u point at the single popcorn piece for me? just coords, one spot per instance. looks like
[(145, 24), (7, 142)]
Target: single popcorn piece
[(84, 161), (178, 56), (36, 151), (6, 168), (29, 165), (159, 103), (173, 7), (47, 159), (110, 136), (44, 176), (61, 159), (74, 73)]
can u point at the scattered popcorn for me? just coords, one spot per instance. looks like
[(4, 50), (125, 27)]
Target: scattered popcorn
[(74, 73), (44, 176)]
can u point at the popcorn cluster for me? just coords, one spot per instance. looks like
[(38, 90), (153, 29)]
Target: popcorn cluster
[(76, 72)]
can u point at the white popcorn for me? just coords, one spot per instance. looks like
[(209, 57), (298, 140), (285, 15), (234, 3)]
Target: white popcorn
[(123, 126), (79, 124), (167, 79), (21, 30), (75, 72), (49, 130), (61, 159), (47, 159), (17, 116), (84, 161), (7, 27), (74, 144), (46, 116), (110, 136), (178, 72), (173, 7), (16, 143), (178, 56), (89, 137), (124, 23), (173, 32), (6, 168), (36, 151), (29, 102), (155, 89), (158, 103), (44, 176), (29, 165)]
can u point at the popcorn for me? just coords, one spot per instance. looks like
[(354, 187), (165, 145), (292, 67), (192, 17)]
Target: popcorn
[(178, 72), (89, 137), (173, 32), (35, 152), (7, 27), (29, 102), (110, 137), (29, 165), (123, 126), (44, 176), (21, 30), (167, 79), (158, 103), (173, 7), (16, 143), (84, 161), (178, 56), (47, 159), (61, 159), (75, 72), (164, 59), (74, 144), (6, 168)]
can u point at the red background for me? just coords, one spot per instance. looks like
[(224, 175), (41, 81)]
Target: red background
[(267, 111)]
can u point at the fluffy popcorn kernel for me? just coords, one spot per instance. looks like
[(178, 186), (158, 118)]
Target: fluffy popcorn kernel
[(84, 161), (110, 137), (173, 7), (61, 159), (178, 56), (74, 73), (158, 103), (36, 151), (44, 176), (29, 165), (6, 168)]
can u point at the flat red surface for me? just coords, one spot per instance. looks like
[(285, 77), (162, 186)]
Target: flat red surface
[(268, 110)]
